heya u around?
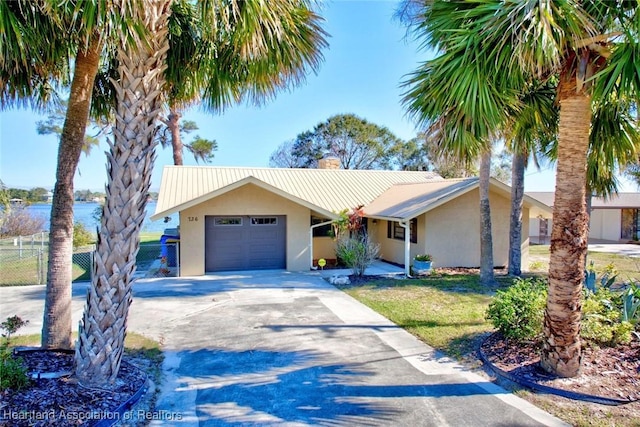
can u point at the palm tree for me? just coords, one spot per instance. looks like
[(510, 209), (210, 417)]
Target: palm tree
[(130, 161), (139, 90), (442, 95), (41, 42), (591, 48), (220, 69), (528, 131)]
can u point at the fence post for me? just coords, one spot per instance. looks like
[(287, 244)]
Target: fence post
[(20, 246), (40, 275)]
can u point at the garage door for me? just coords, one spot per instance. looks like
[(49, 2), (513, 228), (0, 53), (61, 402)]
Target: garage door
[(245, 242)]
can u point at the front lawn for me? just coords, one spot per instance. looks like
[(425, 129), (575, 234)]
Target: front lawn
[(446, 312)]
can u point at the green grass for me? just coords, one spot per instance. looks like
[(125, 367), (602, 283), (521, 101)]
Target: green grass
[(628, 268), (28, 270), (445, 312), (136, 345), (150, 237)]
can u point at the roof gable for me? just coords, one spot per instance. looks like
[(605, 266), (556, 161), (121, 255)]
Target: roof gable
[(407, 201)]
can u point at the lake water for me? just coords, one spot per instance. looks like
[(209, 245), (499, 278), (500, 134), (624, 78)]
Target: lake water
[(83, 213)]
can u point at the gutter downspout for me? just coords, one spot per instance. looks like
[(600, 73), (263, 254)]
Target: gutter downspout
[(311, 240), (407, 248)]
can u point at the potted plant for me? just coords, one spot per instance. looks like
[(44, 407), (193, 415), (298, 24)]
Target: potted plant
[(422, 263)]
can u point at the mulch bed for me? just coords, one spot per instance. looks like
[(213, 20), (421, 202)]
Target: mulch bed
[(62, 401), (605, 372)]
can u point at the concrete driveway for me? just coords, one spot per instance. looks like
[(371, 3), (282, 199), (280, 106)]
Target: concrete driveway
[(625, 249), (288, 349)]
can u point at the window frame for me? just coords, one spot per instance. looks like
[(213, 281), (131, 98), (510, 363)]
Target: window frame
[(227, 221), (397, 232)]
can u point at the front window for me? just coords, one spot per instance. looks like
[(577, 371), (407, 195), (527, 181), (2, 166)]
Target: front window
[(396, 231)]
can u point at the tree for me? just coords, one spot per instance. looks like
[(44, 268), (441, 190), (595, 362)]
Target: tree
[(4, 197), (412, 155), (358, 143), (529, 130), (486, 239), (130, 161), (43, 44), (226, 64), (55, 122), (202, 149), (284, 157), (591, 48), (139, 91), (38, 194)]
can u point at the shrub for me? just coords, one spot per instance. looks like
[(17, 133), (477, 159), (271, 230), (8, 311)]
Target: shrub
[(18, 221), (81, 236), (518, 311), (357, 253), (631, 304), (13, 374), (602, 322)]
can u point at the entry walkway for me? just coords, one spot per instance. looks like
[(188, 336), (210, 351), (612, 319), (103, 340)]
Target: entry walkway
[(274, 348)]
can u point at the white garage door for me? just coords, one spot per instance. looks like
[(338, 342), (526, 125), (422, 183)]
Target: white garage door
[(241, 242)]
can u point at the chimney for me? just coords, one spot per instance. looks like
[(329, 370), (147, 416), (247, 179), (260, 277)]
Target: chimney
[(329, 162)]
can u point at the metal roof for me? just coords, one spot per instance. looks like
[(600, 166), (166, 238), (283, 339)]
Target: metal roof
[(619, 201), (324, 190), (407, 201)]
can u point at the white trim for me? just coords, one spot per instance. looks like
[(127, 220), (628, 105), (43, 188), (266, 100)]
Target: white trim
[(407, 246)]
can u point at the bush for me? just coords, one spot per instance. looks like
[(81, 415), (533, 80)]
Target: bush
[(518, 311), (357, 253), (18, 221), (602, 322), (81, 236), (13, 374)]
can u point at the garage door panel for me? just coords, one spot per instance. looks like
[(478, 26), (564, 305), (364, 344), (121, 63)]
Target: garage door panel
[(242, 242)]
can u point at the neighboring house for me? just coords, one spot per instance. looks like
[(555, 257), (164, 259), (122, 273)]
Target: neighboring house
[(615, 220), (268, 218)]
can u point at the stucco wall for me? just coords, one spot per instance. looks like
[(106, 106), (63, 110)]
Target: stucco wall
[(451, 233), (605, 224), (324, 247), (246, 200), (391, 249)]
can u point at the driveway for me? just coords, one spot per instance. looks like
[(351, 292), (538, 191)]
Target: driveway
[(288, 349), (625, 249)]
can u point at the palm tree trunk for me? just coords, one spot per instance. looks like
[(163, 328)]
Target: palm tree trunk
[(56, 325), (130, 161), (561, 347), (173, 123), (486, 241), (515, 223)]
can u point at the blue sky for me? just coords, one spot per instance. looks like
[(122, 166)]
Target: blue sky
[(364, 65)]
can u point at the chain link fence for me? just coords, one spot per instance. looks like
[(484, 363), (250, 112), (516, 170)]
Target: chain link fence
[(23, 260)]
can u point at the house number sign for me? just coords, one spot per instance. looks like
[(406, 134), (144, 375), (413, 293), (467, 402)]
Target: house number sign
[(192, 218)]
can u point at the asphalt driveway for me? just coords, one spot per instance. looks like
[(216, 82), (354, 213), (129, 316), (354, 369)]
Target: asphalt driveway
[(288, 349)]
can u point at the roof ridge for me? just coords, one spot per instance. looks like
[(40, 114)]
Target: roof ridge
[(302, 169)]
